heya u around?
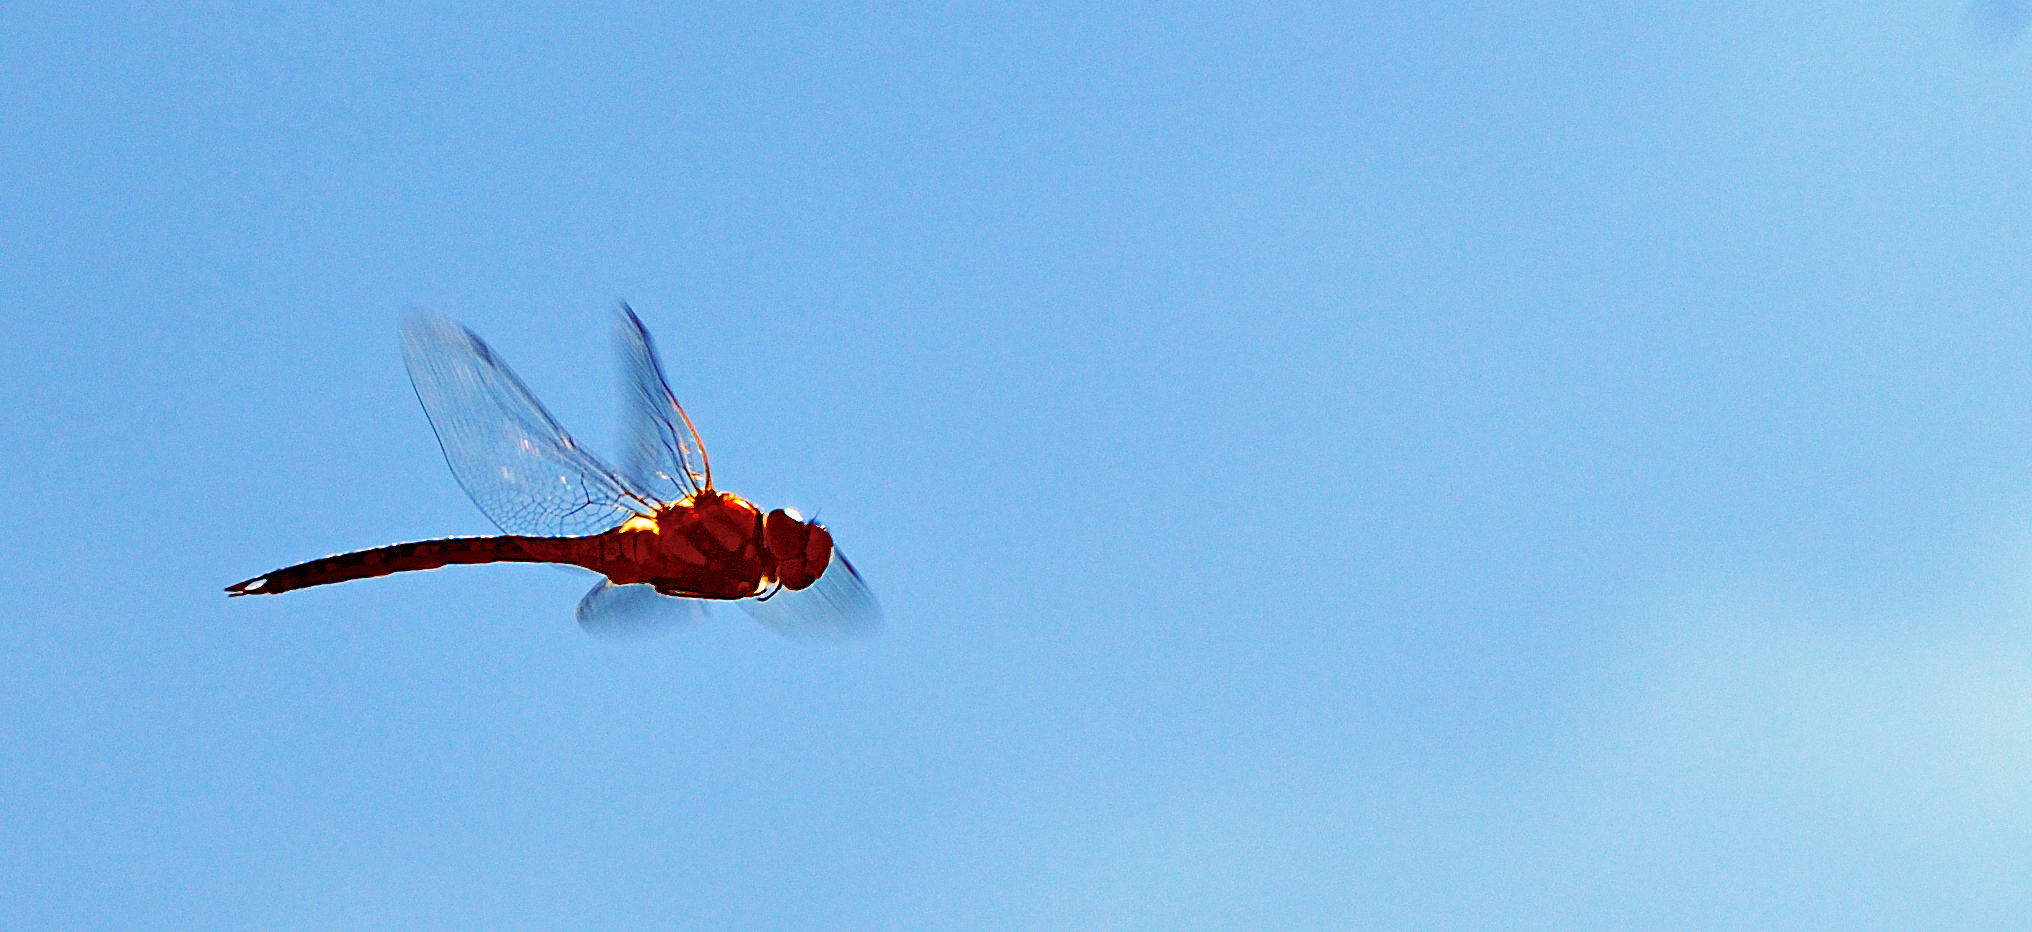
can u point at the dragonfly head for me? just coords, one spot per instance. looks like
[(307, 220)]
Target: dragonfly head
[(801, 548)]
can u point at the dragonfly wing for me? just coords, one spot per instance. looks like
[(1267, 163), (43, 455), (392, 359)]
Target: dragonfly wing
[(665, 458), (521, 468), (635, 611), (838, 605)]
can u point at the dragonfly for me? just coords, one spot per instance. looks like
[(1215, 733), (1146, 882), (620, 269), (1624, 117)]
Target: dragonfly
[(665, 540)]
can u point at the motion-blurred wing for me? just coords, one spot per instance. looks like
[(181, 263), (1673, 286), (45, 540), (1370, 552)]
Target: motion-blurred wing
[(519, 466), (838, 605), (664, 457), (635, 611)]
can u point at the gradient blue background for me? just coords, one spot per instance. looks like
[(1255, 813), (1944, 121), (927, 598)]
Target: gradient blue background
[(1326, 466)]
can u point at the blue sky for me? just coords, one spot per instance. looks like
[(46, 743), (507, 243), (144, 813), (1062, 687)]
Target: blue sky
[(1324, 466)]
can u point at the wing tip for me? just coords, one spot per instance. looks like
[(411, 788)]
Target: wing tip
[(421, 327)]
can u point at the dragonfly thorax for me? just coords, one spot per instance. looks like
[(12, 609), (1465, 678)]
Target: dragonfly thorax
[(708, 545), (719, 545)]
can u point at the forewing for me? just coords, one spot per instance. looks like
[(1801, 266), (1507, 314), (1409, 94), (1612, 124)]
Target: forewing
[(663, 457), (611, 611), (838, 605), (521, 468)]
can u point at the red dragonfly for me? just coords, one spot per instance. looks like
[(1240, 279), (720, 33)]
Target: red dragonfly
[(664, 538)]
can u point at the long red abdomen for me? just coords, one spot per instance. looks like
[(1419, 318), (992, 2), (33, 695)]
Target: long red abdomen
[(400, 558)]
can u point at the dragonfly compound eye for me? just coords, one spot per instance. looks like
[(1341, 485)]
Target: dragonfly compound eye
[(818, 550), (783, 535), (786, 538)]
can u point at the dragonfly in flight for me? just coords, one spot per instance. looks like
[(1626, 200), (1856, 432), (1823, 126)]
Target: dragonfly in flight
[(666, 540)]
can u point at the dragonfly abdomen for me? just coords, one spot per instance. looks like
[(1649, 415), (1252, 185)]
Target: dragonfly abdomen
[(402, 558)]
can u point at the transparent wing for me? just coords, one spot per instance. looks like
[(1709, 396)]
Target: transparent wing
[(838, 605), (521, 468), (612, 611), (665, 458)]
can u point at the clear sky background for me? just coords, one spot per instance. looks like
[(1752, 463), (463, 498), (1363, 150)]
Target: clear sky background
[(1326, 466)]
